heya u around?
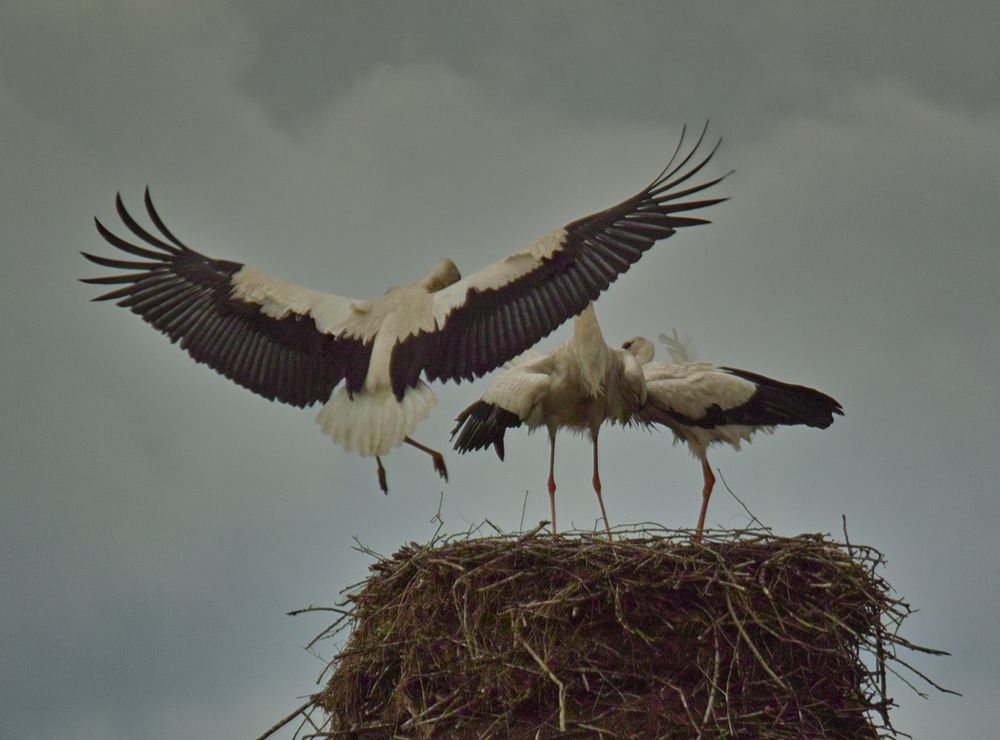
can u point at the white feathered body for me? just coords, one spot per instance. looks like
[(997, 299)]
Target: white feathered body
[(369, 421), (577, 386)]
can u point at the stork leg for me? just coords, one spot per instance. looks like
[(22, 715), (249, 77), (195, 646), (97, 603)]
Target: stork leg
[(436, 456), (552, 478), (381, 476), (706, 493), (597, 489)]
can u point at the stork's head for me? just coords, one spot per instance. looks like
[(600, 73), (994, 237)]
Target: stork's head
[(640, 348), (443, 274)]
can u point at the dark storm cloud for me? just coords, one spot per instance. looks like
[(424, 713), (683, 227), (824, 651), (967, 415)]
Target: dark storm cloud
[(628, 61), (158, 521)]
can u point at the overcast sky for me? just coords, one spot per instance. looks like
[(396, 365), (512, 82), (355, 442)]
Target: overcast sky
[(158, 521)]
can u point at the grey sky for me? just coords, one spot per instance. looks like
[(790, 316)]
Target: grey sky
[(157, 521)]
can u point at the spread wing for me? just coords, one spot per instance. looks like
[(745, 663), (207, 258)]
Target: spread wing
[(272, 337), (497, 312)]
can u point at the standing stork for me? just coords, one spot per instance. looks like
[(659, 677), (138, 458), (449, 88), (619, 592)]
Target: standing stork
[(579, 385), (297, 345), (704, 404)]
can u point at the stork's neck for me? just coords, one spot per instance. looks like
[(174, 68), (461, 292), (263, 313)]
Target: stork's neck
[(586, 330), (590, 348)]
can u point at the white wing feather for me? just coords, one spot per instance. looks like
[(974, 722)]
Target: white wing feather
[(278, 299), (498, 274), (680, 346), (519, 390)]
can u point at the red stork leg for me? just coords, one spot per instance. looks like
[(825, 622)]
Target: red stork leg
[(436, 456), (552, 478), (706, 493), (597, 489)]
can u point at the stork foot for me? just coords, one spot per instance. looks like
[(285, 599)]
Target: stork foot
[(381, 477), (438, 459)]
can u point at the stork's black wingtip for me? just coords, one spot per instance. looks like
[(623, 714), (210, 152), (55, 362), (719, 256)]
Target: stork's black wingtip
[(92, 281)]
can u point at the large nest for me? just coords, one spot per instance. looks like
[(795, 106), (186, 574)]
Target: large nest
[(745, 634)]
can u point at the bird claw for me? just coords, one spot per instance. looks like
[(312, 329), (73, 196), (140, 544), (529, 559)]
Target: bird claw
[(382, 484), (439, 465)]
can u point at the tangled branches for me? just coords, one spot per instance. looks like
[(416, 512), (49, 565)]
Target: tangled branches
[(745, 634)]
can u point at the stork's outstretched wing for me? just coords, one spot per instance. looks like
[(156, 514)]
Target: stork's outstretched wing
[(271, 337), (501, 310)]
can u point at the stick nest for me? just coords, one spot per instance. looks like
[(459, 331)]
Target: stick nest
[(745, 634)]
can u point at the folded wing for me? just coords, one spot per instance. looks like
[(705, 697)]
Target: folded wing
[(707, 396)]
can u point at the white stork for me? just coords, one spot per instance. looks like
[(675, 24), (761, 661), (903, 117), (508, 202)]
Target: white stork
[(703, 403), (297, 345), (578, 386)]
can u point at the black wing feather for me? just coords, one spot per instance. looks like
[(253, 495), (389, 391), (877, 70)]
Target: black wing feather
[(188, 297), (773, 403), (596, 250), (483, 424)]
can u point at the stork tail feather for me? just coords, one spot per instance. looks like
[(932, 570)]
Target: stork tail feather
[(372, 423), (483, 424)]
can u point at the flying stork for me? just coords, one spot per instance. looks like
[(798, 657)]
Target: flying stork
[(579, 385), (704, 404), (296, 345)]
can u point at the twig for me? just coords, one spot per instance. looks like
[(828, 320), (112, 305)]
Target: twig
[(942, 689), (437, 516), (549, 673), (740, 502), (847, 540), (753, 648), (281, 723), (538, 528), (296, 612), (714, 685)]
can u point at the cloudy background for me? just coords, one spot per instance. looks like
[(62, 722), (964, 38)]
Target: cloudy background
[(157, 522)]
